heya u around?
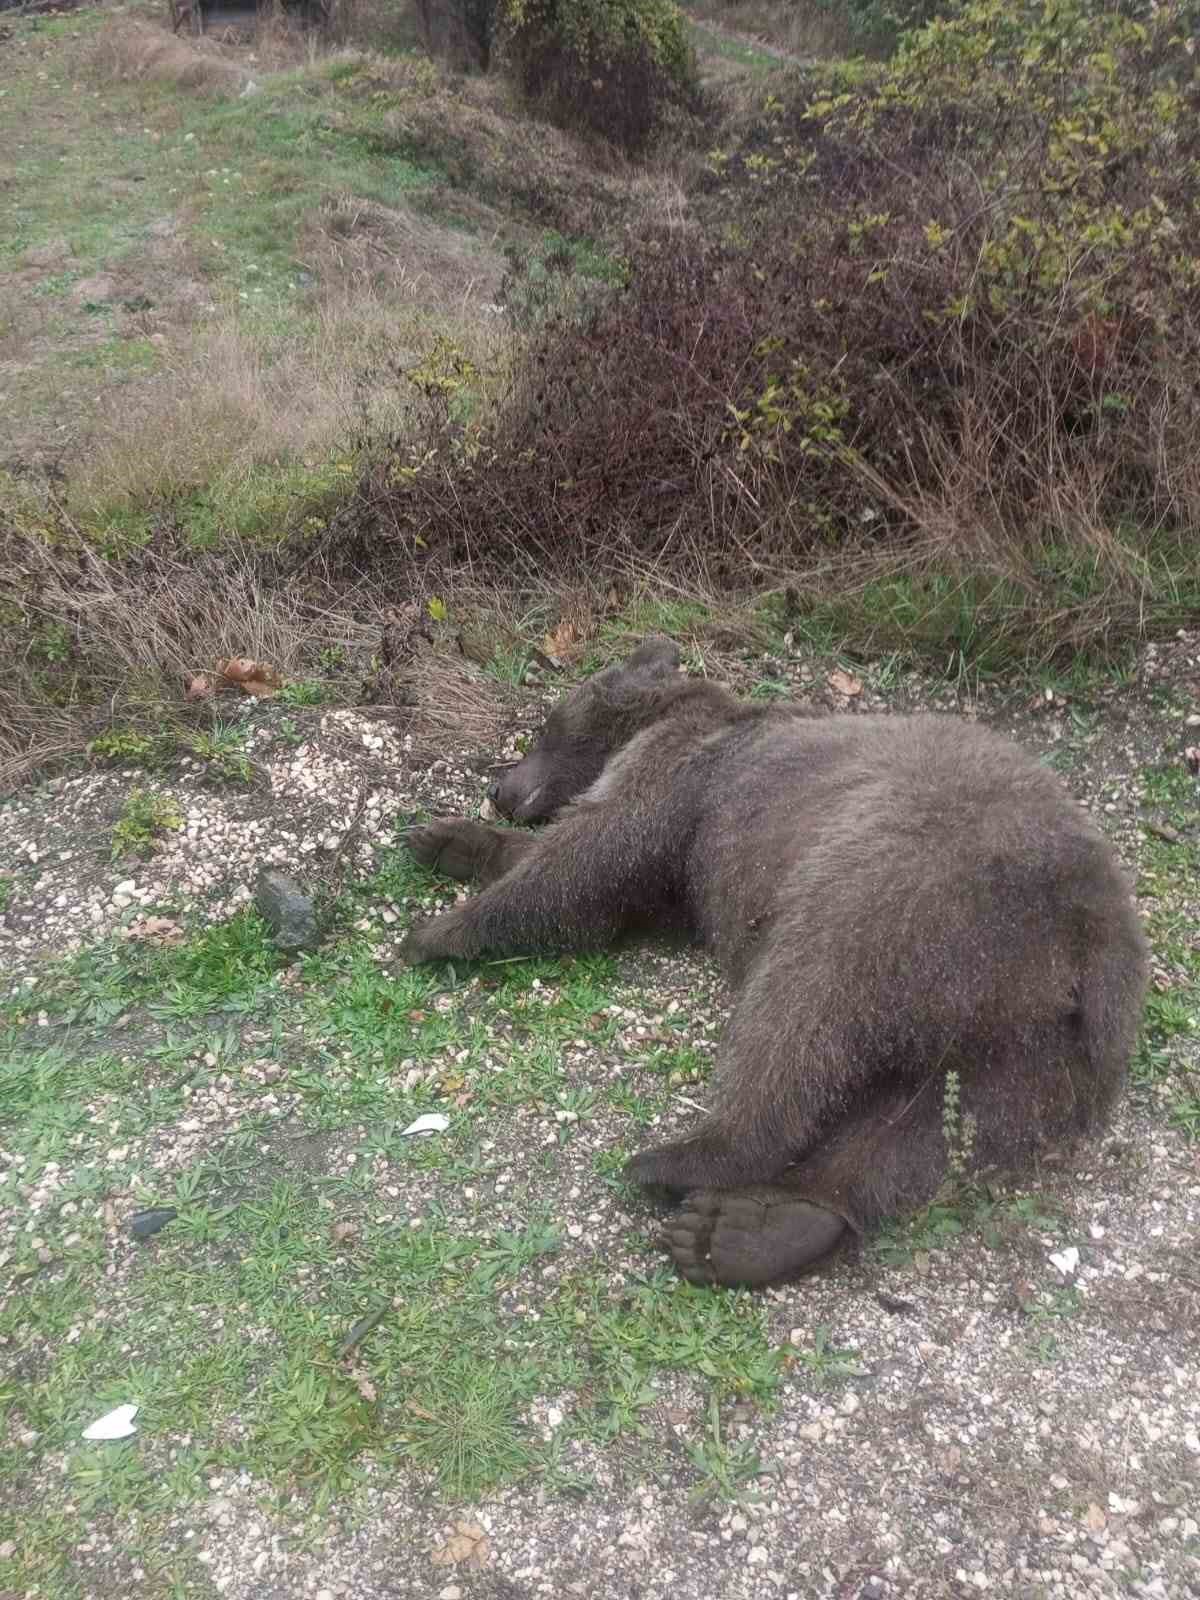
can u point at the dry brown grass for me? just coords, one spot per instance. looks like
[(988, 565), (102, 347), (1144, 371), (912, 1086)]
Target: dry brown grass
[(360, 247), (447, 697), (473, 130), (93, 641), (217, 409), (229, 399), (128, 49)]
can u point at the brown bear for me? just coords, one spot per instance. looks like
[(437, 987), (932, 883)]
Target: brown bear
[(893, 899)]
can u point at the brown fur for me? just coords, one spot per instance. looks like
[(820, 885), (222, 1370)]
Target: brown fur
[(893, 898)]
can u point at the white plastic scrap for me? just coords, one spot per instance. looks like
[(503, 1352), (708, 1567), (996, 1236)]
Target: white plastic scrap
[(116, 1424), (1067, 1261), (431, 1122)]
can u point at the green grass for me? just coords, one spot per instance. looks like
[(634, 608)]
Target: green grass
[(330, 1299), (825, 1362), (245, 172), (710, 43), (192, 203), (963, 1209), (977, 627), (1169, 869), (146, 817), (259, 505)]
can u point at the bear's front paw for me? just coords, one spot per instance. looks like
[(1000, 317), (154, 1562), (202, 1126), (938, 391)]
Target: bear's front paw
[(455, 846), (431, 940)]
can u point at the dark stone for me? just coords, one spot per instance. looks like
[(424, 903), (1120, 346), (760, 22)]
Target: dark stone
[(290, 914), (145, 1224)]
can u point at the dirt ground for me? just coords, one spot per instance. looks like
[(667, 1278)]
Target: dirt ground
[(1001, 1396)]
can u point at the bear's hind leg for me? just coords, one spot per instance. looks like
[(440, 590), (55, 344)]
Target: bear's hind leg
[(876, 1162), (786, 1067), (888, 1157)]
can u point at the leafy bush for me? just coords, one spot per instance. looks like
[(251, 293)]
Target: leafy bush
[(878, 25), (613, 67), (941, 326)]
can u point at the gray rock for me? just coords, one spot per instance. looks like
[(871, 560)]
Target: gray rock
[(145, 1224), (290, 914)]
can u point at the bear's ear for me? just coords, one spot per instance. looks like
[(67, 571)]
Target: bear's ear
[(655, 657)]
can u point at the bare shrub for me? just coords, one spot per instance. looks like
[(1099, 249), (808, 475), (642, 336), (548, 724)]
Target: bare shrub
[(939, 332)]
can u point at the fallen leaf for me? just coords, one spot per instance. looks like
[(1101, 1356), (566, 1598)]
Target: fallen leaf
[(467, 1546), (842, 683), (561, 641), (1094, 1518), (1192, 756), (252, 677), (155, 930), (201, 687), (237, 668), (115, 1424), (364, 1385), (341, 1232), (1025, 1294)]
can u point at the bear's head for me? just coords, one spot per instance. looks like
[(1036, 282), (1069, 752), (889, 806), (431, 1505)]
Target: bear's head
[(587, 726)]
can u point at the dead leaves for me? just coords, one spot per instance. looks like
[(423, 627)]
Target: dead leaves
[(362, 1382), (257, 678), (154, 930), (845, 684), (562, 642), (468, 1546), (1094, 1518), (251, 677)]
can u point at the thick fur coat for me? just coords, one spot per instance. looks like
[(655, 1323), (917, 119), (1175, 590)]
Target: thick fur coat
[(893, 899)]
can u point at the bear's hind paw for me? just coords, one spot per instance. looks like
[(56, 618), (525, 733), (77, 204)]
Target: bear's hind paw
[(749, 1237)]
